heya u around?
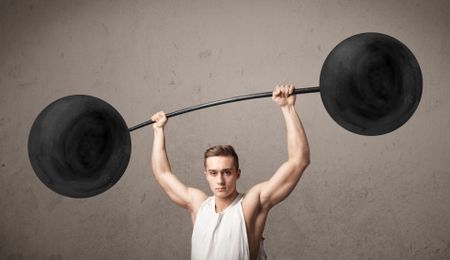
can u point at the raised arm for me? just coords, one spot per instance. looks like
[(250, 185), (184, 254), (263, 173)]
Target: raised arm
[(186, 197), (280, 185)]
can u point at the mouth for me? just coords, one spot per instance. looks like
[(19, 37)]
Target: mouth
[(220, 189)]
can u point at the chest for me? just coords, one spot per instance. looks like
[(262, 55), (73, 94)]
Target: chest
[(225, 226)]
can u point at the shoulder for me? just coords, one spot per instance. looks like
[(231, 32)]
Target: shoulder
[(252, 199), (196, 198)]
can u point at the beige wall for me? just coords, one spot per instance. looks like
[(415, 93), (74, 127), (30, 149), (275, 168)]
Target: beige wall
[(383, 197)]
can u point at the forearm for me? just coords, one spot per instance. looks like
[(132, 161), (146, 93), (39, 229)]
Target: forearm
[(160, 161), (281, 184), (297, 143)]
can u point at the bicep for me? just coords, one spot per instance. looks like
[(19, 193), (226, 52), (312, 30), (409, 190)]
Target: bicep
[(179, 193), (281, 184)]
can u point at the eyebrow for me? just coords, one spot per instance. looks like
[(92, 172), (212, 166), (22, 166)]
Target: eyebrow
[(214, 170)]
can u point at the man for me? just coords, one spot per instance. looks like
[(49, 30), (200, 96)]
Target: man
[(230, 225)]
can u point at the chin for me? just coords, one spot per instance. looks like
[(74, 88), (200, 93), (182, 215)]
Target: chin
[(220, 194), (223, 194)]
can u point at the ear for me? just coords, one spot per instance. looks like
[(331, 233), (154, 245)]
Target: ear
[(238, 173)]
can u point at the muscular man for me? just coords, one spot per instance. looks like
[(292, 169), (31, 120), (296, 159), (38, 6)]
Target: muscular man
[(230, 225)]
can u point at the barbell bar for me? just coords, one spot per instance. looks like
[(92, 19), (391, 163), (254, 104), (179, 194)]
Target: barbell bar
[(79, 146)]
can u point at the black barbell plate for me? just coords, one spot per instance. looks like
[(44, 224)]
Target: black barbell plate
[(79, 146), (371, 84)]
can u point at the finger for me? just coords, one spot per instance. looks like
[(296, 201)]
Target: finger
[(157, 117), (291, 89), (276, 91), (281, 94), (285, 91)]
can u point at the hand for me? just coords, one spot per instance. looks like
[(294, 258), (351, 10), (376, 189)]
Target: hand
[(160, 120), (282, 95)]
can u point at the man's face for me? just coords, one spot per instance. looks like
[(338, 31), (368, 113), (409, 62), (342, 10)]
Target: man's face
[(221, 175)]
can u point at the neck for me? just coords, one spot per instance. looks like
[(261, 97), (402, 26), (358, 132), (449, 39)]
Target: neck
[(224, 202)]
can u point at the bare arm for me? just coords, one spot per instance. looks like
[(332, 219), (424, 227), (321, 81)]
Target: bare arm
[(186, 197), (281, 184)]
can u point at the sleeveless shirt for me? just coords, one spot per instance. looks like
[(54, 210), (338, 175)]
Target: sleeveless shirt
[(223, 235)]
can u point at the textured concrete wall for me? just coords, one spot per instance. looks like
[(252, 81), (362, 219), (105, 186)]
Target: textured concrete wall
[(383, 197)]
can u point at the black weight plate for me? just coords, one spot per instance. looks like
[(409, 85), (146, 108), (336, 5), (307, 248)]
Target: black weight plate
[(79, 146), (371, 84)]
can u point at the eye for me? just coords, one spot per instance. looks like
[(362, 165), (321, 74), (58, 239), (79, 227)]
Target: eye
[(212, 173), (227, 173)]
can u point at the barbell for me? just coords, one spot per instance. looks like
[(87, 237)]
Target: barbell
[(79, 146)]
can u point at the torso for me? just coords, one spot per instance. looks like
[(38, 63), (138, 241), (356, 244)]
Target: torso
[(220, 234), (255, 219)]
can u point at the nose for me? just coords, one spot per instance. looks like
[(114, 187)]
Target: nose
[(220, 179)]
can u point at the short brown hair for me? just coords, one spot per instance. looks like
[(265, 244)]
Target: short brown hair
[(222, 150)]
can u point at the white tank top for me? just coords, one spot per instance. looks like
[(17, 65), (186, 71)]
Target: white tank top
[(221, 235)]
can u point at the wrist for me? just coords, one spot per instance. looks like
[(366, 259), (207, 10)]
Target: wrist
[(158, 129), (288, 108)]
